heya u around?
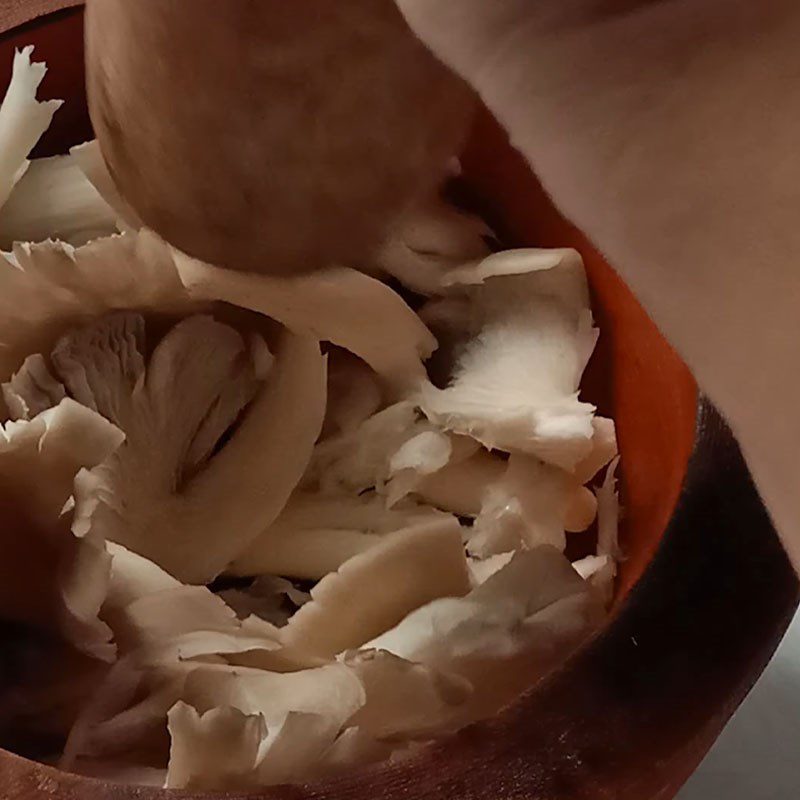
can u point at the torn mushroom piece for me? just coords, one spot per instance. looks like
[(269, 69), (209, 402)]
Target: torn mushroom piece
[(32, 390), (23, 119), (403, 699), (332, 691), (481, 569), (528, 338), (354, 747), (52, 579), (425, 453), (252, 754), (89, 159), (294, 745), (337, 305), (337, 513), (172, 482), (536, 503), (603, 450), (112, 694), (397, 452), (608, 512), (505, 633), (317, 533), (54, 200), (601, 570), (165, 617), (430, 241), (48, 288), (422, 456), (133, 577), (461, 486), (359, 460), (355, 604), (174, 492), (214, 750), (527, 508), (300, 716), (354, 393), (163, 631), (583, 507)]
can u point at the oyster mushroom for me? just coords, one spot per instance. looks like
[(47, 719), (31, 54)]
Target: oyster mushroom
[(170, 492), (460, 486), (527, 507), (167, 493), (354, 393), (535, 503), (360, 459), (422, 456), (404, 699), (374, 590), (504, 633), (601, 570), (528, 338), (215, 750), (317, 533), (431, 240), (608, 512), (299, 717), (23, 119), (51, 579), (54, 200), (50, 287), (603, 450), (163, 631), (353, 747), (338, 305)]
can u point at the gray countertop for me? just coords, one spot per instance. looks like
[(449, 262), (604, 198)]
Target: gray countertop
[(758, 755)]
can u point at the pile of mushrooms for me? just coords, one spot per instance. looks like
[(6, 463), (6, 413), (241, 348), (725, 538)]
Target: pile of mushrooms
[(273, 547)]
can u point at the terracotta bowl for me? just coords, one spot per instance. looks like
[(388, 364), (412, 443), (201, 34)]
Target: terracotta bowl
[(705, 593)]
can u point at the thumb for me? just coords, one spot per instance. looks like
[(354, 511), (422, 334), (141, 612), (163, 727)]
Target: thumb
[(509, 51), (466, 35)]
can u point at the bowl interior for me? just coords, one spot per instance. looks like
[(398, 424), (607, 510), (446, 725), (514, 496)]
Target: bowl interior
[(634, 376)]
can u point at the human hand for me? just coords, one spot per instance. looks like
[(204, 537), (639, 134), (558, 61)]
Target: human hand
[(270, 136), (668, 131)]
